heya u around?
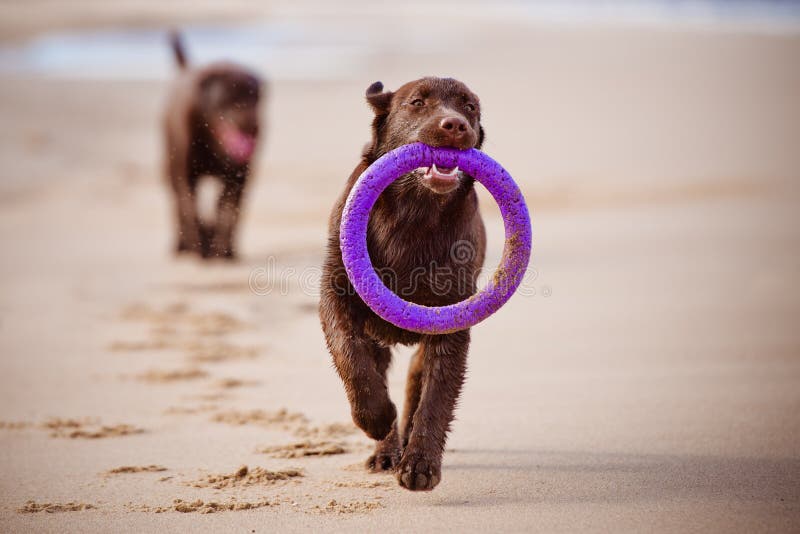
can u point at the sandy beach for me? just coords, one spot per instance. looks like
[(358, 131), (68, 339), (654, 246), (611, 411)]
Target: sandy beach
[(646, 378)]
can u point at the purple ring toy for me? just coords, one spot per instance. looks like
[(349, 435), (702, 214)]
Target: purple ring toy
[(426, 319)]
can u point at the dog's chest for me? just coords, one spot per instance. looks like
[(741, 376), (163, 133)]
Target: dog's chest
[(429, 266)]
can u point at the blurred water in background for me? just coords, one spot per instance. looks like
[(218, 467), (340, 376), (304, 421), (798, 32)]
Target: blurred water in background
[(585, 99), (330, 41)]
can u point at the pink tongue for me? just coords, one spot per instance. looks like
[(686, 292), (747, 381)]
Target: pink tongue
[(238, 145)]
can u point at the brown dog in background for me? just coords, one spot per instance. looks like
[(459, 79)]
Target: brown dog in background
[(211, 127), (427, 239)]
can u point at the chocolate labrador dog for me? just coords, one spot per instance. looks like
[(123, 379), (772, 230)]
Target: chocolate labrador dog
[(211, 127), (426, 238)]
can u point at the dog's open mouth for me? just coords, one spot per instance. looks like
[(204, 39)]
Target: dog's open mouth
[(238, 145), (440, 179)]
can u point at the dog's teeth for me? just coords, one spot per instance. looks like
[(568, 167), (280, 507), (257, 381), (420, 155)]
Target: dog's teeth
[(435, 169)]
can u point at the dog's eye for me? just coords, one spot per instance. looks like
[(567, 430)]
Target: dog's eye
[(418, 102), (470, 107)]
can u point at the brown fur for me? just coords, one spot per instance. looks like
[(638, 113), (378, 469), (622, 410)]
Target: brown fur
[(411, 238), (202, 102)]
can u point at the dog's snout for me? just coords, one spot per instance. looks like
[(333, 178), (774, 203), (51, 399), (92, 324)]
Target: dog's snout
[(247, 123), (251, 127)]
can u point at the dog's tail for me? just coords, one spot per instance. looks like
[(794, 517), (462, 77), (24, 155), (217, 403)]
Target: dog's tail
[(177, 48)]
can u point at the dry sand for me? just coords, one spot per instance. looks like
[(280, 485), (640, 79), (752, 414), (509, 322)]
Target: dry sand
[(648, 380)]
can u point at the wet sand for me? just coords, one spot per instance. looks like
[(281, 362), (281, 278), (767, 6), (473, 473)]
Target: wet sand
[(647, 380)]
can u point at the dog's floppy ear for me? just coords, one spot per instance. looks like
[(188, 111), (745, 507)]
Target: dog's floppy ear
[(481, 137), (378, 100)]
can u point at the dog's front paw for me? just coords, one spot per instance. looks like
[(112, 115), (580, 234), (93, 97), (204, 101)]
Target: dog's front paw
[(387, 453), (418, 472)]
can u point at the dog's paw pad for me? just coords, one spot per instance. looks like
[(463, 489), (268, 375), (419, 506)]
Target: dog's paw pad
[(418, 474)]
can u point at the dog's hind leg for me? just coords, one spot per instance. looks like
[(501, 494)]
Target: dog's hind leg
[(413, 393), (387, 451)]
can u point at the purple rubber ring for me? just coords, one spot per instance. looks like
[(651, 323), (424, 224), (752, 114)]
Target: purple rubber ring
[(427, 319)]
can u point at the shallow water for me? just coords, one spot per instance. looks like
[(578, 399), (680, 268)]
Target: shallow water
[(286, 51), (333, 41)]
